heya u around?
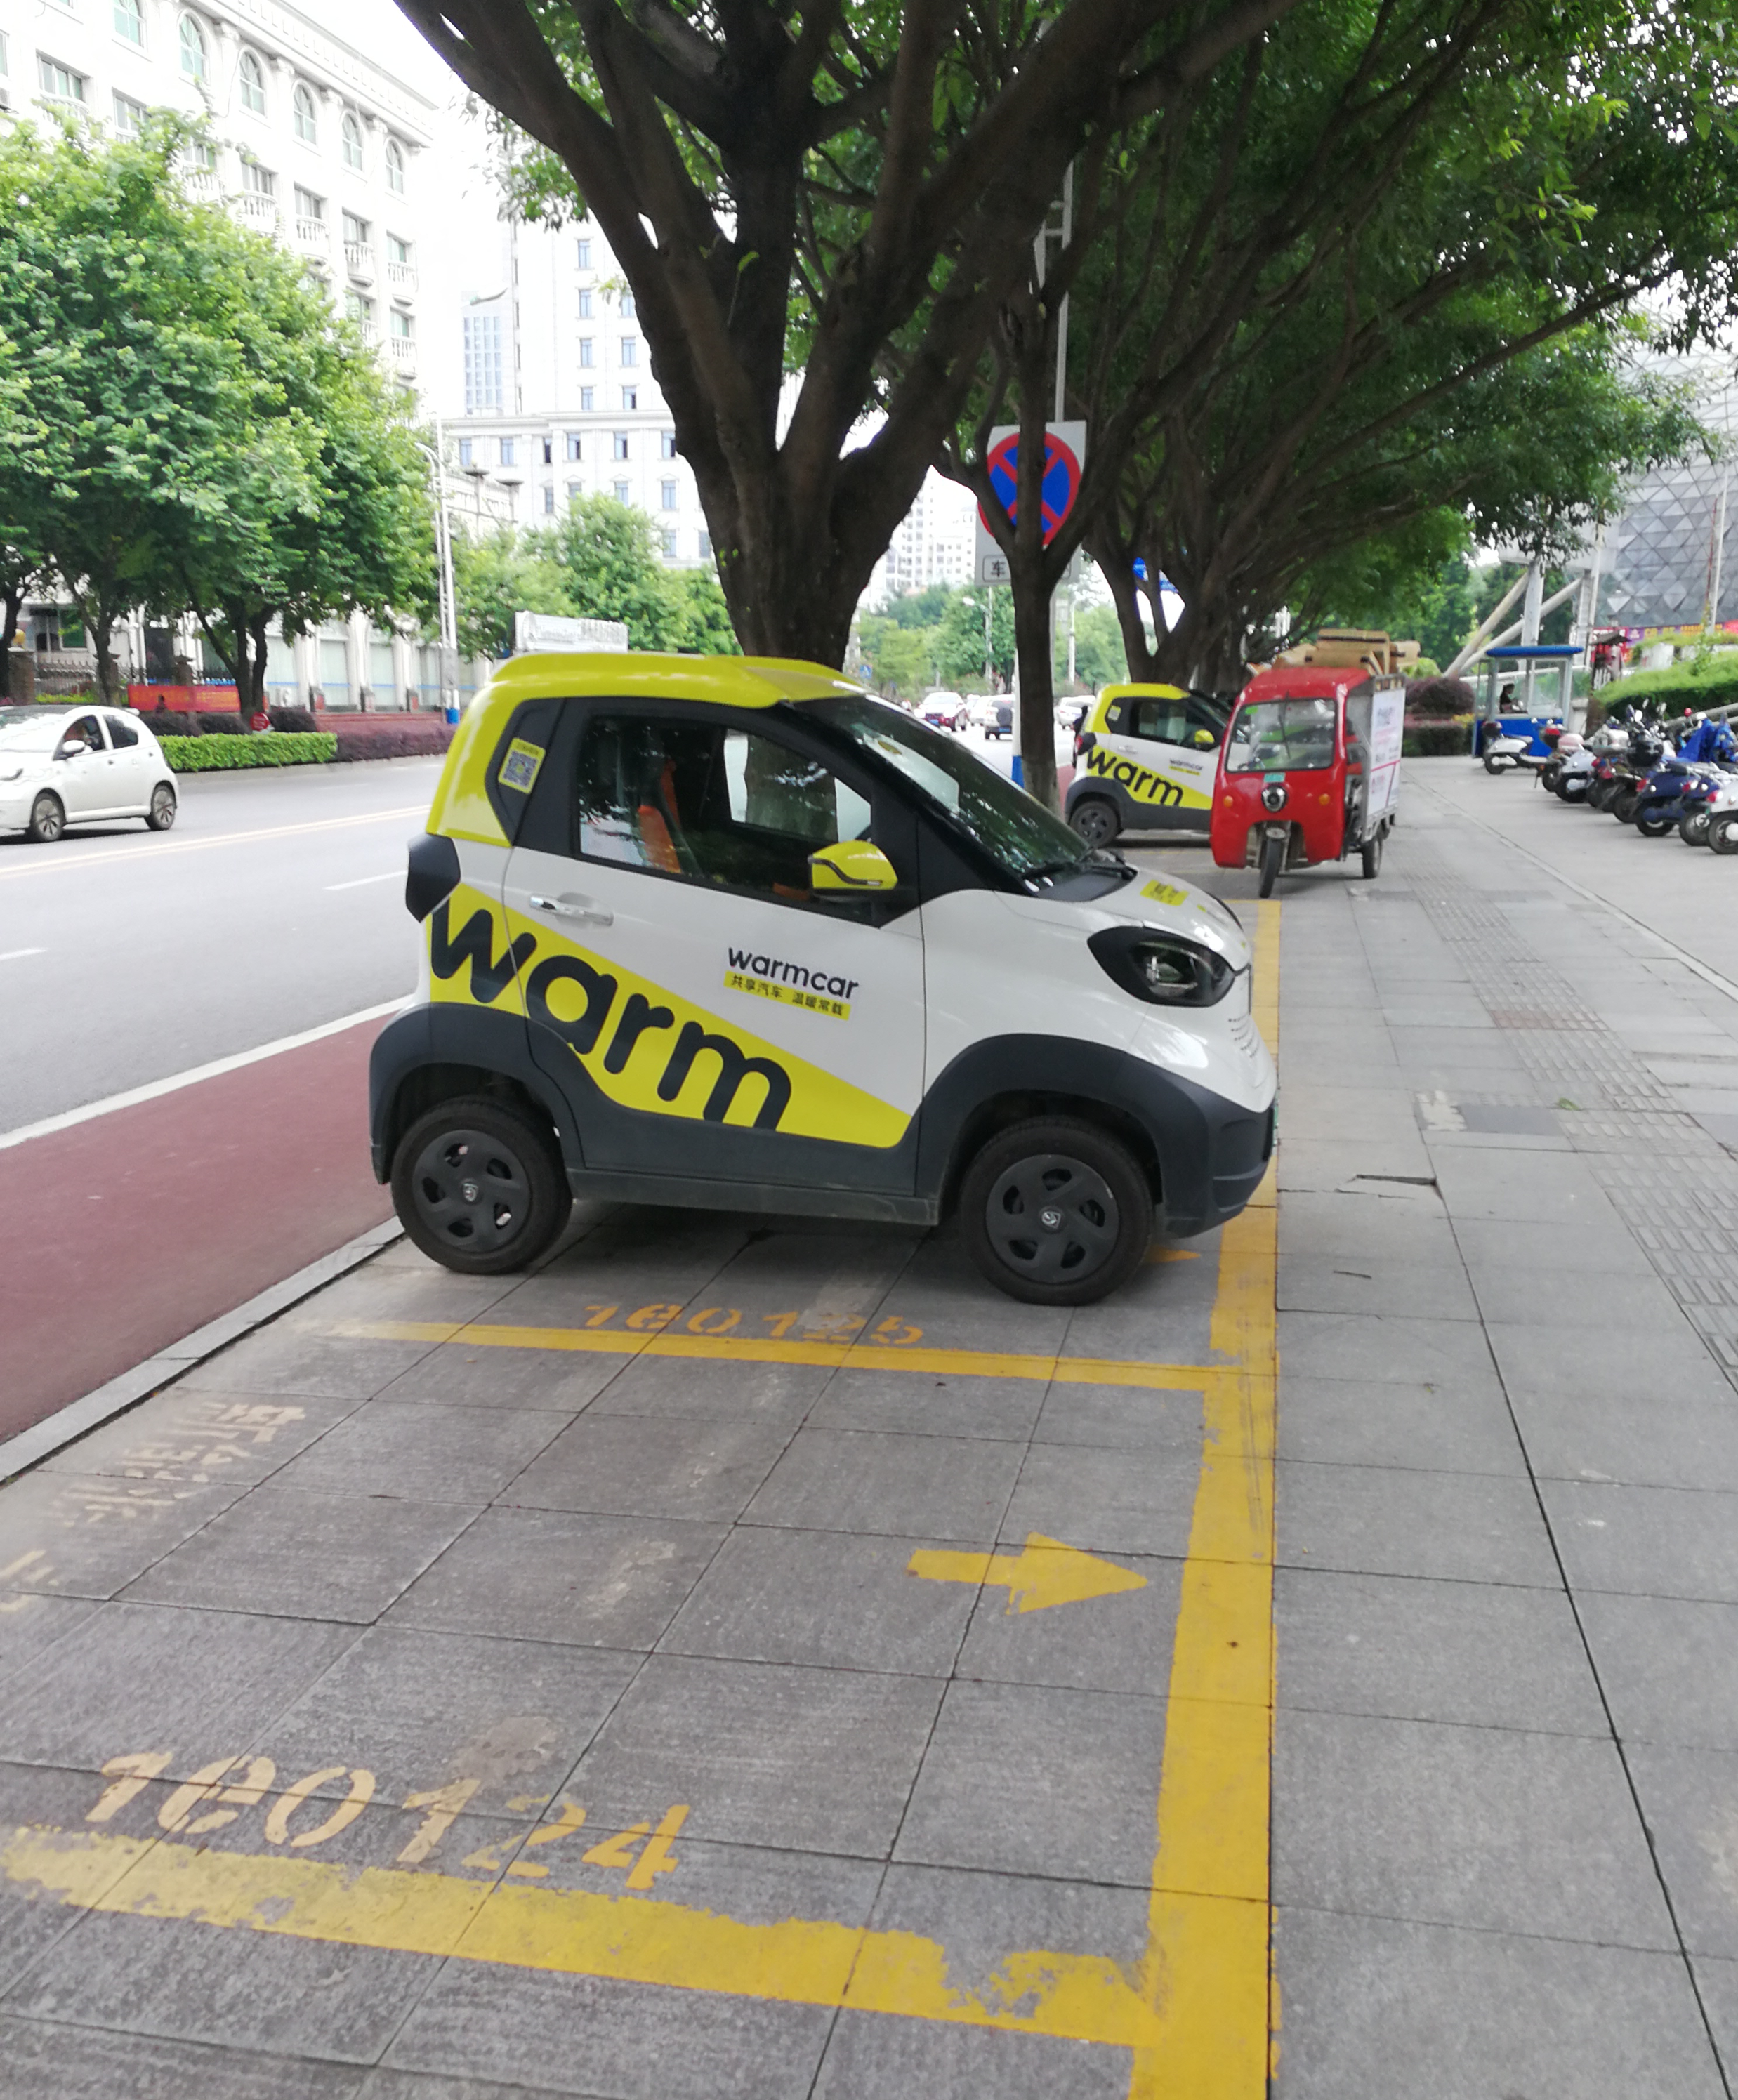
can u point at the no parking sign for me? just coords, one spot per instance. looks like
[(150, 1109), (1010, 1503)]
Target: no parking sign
[(1065, 453)]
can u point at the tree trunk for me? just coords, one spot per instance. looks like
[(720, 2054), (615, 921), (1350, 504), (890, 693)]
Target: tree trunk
[(11, 607), (1037, 684), (103, 639)]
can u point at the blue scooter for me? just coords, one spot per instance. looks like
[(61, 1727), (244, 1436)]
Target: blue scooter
[(1705, 756)]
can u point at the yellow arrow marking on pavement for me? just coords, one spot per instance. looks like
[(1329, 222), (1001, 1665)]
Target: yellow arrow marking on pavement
[(1046, 1572)]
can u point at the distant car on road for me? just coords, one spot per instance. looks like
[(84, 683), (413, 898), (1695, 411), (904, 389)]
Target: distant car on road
[(1000, 720), (83, 765), (944, 710)]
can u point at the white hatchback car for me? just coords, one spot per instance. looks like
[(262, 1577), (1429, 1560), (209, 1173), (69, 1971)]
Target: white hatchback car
[(60, 765)]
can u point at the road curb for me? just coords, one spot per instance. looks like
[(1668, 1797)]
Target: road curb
[(31, 1446)]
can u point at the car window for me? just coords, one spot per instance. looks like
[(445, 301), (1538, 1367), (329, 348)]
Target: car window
[(1180, 720), (710, 802), (85, 731), (123, 733)]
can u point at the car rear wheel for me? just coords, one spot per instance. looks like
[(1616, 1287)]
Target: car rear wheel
[(161, 813), (1095, 820), (479, 1187), (1056, 1211), (47, 820)]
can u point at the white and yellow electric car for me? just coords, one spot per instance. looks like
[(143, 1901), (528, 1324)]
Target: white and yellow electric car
[(731, 932), (1145, 759)]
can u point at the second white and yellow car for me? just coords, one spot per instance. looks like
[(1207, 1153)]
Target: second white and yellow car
[(731, 932), (1145, 759)]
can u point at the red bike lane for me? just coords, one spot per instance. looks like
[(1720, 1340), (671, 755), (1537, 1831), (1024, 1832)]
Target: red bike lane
[(133, 1228)]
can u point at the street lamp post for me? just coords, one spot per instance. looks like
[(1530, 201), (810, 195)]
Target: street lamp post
[(449, 611)]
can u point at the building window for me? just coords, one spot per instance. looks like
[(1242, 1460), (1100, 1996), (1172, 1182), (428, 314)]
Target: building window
[(666, 492), (588, 401), (194, 61), (584, 255), (464, 451), (129, 116), (573, 445), (405, 330), (667, 443), (398, 251), (706, 546), (587, 358), (130, 23), (628, 310), (548, 497), (257, 180), (509, 452), (573, 491), (205, 157), (549, 451), (310, 210), (349, 133), (395, 167), (630, 350), (301, 105), (630, 397), (584, 306), (356, 231), (59, 82), (621, 444), (251, 76), (483, 362), (669, 546), (621, 491), (361, 311)]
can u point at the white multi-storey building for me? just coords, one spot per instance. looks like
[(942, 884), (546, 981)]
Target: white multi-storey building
[(314, 143), (932, 544), (551, 394)]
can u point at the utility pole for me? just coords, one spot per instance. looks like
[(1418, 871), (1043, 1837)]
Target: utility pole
[(449, 610)]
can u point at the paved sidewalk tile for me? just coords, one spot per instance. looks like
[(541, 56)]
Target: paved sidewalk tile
[(1448, 1428), (421, 1453), (1665, 1666), (1385, 1521), (1491, 1828), (52, 2061), (1369, 1287), (1449, 1352), (1649, 1542), (1377, 2007), (1690, 1799), (1641, 1439), (707, 1469), (830, 1479)]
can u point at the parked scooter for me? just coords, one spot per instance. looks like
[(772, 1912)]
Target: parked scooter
[(1575, 764), (1720, 818), (1680, 785)]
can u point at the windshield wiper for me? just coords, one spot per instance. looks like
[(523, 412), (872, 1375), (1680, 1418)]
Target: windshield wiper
[(1054, 867)]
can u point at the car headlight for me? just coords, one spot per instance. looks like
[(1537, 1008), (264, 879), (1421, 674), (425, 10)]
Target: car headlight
[(1162, 968)]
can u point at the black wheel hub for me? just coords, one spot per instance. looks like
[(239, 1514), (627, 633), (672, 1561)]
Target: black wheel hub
[(1094, 823), (1052, 1219), (470, 1189)]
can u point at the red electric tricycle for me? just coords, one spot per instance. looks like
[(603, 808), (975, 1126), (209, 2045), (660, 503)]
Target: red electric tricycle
[(1309, 769)]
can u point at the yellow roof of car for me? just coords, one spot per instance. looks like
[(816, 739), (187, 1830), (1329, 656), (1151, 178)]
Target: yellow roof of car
[(461, 808)]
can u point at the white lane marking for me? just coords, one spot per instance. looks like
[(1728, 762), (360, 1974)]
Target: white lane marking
[(218, 1066), (17, 955), (42, 863), (361, 882)]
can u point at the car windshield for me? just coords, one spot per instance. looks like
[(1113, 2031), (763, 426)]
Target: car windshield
[(1281, 736), (1020, 834)]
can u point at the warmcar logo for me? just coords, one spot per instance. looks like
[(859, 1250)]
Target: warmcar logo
[(790, 984)]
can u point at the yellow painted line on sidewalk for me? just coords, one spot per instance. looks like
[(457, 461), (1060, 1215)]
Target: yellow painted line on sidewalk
[(802, 1961), (1208, 1970), (831, 1356)]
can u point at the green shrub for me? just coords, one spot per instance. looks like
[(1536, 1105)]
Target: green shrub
[(229, 754), (1680, 686), (1439, 739)]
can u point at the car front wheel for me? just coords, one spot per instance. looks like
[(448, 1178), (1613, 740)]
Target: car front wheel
[(47, 820), (1056, 1211), (479, 1187)]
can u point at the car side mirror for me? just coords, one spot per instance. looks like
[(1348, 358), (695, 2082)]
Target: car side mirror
[(853, 868)]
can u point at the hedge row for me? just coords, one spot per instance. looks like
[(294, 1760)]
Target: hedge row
[(228, 754), (1437, 740)]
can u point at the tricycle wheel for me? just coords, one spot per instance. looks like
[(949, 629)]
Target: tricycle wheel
[(1272, 860), (1371, 855)]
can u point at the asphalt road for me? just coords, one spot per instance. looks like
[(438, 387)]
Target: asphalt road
[(274, 905)]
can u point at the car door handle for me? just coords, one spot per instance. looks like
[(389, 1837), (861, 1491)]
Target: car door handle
[(570, 906)]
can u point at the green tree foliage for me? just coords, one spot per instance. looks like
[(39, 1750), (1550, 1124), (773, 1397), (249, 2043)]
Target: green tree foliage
[(184, 426), (898, 661), (599, 562), (959, 643)]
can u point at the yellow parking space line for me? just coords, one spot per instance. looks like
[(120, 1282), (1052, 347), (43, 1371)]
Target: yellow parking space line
[(833, 1356), (798, 1961), (1207, 1972)]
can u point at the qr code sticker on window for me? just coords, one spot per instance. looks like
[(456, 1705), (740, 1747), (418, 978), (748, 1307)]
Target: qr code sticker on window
[(518, 769)]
